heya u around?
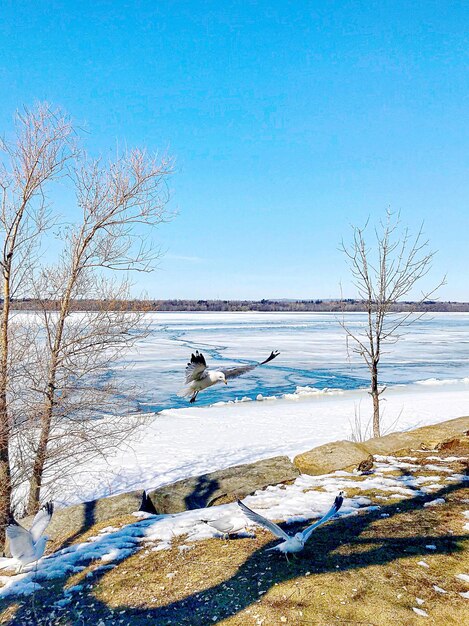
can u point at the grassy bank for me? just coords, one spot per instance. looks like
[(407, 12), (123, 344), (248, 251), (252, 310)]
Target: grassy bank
[(373, 568)]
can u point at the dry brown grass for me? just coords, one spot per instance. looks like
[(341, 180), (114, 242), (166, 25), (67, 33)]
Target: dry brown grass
[(356, 570)]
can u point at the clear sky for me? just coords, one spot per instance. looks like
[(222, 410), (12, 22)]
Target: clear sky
[(288, 122)]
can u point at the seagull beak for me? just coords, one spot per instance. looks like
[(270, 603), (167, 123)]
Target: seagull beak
[(226, 382)]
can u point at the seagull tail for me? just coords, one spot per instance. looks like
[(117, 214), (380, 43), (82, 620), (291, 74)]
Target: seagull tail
[(185, 392), (274, 354)]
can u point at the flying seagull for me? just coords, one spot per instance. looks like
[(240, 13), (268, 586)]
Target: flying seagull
[(27, 546), (199, 377), (290, 543)]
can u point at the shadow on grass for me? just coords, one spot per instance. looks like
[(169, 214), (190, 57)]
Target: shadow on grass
[(242, 589)]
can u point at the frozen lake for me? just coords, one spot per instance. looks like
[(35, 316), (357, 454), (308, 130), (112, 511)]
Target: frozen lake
[(313, 354)]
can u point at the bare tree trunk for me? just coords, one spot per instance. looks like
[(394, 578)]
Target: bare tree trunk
[(46, 419), (375, 396), (5, 476), (41, 456), (37, 156)]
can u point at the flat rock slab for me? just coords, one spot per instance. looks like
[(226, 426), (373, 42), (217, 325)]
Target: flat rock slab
[(346, 455), (223, 486)]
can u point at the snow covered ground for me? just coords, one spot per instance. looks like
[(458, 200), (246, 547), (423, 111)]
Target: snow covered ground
[(306, 397), (185, 442)]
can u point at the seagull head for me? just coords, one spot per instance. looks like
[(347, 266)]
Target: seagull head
[(221, 378), (299, 537)]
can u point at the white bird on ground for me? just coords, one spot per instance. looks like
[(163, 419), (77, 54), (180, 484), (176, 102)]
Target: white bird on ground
[(199, 377), (291, 543), (229, 524), (27, 546)]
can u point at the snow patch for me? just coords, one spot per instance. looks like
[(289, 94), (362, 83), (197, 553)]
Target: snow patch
[(420, 612), (435, 502)]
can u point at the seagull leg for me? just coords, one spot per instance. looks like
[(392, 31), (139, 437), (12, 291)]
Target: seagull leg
[(286, 556), (193, 399)]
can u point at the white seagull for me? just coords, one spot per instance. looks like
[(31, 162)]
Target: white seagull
[(199, 377), (228, 524), (27, 546), (290, 543)]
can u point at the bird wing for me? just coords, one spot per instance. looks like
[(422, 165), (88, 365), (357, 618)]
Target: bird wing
[(332, 511), (234, 372), (41, 521), (196, 367), (21, 541), (263, 521)]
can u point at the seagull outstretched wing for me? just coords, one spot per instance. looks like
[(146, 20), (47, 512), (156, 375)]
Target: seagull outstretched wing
[(332, 511), (234, 372), (263, 521), (41, 521), (196, 367), (21, 541)]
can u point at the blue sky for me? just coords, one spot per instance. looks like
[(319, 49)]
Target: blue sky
[(288, 122)]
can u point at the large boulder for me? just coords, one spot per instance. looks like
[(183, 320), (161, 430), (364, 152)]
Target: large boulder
[(223, 486), (338, 455)]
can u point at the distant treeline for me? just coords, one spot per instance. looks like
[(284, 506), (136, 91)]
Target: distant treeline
[(287, 306)]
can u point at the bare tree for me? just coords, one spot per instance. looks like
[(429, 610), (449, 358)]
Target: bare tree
[(78, 418), (383, 275), (38, 154)]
